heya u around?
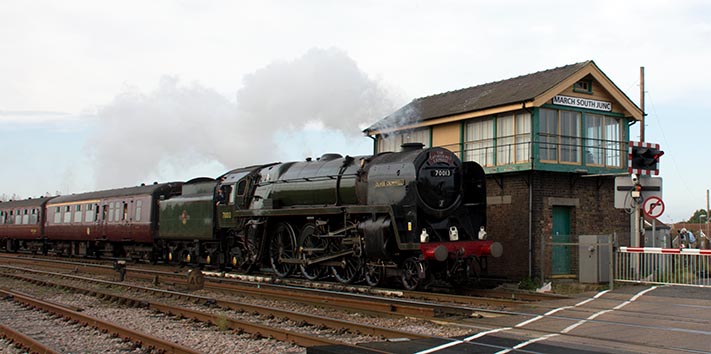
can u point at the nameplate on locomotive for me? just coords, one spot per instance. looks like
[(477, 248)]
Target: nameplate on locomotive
[(440, 156), (390, 183)]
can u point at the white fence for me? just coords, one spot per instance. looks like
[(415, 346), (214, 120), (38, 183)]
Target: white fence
[(690, 267)]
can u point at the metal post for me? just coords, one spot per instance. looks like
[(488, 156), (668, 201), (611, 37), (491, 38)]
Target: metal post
[(635, 238), (654, 229), (543, 245), (611, 261)]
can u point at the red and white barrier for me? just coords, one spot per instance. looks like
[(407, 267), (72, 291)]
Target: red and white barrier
[(657, 250)]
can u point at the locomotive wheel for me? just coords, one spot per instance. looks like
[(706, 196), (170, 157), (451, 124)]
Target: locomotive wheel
[(283, 246), (309, 239), (349, 272), (374, 275), (243, 256), (411, 274)]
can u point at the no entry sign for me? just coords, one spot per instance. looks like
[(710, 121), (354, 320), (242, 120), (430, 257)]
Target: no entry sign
[(653, 207)]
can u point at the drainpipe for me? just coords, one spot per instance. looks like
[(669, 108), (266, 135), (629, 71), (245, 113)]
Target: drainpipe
[(375, 143), (530, 196), (530, 227)]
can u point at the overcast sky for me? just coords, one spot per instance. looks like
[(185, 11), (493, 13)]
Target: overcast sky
[(103, 94)]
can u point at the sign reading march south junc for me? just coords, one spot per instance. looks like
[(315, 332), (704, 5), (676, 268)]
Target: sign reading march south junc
[(582, 103)]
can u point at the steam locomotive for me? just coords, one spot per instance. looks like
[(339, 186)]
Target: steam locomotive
[(418, 215)]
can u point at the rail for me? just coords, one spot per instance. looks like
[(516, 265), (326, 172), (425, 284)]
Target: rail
[(689, 267)]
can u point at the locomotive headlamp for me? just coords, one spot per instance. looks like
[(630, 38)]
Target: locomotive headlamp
[(482, 233), (424, 236), (453, 234)]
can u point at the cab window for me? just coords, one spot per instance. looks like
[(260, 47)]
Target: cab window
[(241, 187)]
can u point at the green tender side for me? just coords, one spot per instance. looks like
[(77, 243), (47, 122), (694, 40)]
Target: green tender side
[(187, 217)]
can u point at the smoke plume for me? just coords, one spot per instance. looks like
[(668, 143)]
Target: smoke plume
[(179, 132)]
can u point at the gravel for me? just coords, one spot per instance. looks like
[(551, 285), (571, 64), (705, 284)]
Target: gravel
[(207, 338)]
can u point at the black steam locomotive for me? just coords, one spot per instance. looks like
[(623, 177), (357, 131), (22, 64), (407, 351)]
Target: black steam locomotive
[(417, 215)]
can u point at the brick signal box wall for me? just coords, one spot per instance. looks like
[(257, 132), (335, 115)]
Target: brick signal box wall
[(592, 212)]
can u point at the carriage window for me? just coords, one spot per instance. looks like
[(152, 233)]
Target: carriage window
[(89, 214), (18, 217), (34, 219), (139, 205), (57, 215), (25, 217), (117, 212), (67, 214), (77, 213), (103, 215), (111, 211), (2, 217), (125, 211)]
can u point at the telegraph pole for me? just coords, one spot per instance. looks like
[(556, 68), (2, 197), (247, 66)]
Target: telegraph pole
[(636, 217), (641, 103)]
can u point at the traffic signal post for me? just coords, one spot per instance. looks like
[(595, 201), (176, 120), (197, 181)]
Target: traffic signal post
[(632, 191)]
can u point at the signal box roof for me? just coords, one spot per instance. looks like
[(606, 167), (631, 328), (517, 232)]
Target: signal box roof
[(525, 91)]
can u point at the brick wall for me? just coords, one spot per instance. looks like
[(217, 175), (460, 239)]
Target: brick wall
[(591, 200)]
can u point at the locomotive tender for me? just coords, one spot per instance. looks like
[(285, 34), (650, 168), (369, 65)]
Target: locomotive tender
[(417, 215)]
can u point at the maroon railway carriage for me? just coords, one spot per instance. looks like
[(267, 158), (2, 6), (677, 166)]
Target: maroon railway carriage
[(117, 222), (22, 223)]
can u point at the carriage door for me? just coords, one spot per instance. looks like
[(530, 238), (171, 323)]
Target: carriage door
[(103, 219), (561, 233)]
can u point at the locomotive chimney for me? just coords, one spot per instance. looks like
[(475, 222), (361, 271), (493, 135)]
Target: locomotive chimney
[(411, 146)]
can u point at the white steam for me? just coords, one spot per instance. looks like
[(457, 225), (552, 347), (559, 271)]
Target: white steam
[(180, 132)]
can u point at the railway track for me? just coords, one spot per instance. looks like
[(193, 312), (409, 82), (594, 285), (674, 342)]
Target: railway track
[(314, 320), (305, 340), (447, 310), (34, 307), (493, 319), (360, 298)]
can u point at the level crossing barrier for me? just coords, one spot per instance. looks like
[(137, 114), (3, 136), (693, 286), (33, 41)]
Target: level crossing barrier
[(690, 267)]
